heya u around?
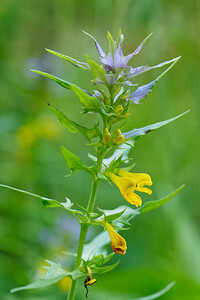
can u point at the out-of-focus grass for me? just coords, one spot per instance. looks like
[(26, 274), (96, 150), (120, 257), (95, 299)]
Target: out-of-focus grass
[(163, 245)]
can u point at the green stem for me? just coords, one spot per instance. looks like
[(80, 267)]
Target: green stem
[(82, 237)]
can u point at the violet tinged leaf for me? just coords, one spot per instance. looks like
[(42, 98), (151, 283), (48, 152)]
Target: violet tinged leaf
[(151, 205), (74, 162), (158, 294), (54, 274), (74, 127), (74, 62), (99, 49), (63, 83), (143, 90), (137, 51), (139, 70), (137, 132)]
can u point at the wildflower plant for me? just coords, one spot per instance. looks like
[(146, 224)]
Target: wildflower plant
[(111, 160)]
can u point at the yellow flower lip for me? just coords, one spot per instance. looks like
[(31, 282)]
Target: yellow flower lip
[(91, 282), (118, 243), (129, 182)]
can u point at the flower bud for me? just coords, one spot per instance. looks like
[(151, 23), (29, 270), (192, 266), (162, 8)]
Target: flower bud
[(106, 137), (118, 138), (127, 114), (119, 109)]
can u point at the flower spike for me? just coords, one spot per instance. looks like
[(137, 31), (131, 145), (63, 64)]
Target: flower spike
[(115, 59)]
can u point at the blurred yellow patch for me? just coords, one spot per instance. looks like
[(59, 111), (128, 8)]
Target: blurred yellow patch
[(31, 132), (65, 283)]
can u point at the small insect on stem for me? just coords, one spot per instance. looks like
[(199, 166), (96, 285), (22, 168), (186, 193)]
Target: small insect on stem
[(89, 280)]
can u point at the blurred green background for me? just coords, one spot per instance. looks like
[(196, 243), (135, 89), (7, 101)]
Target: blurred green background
[(164, 245)]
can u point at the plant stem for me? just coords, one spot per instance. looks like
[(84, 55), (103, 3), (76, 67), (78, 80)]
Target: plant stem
[(82, 237)]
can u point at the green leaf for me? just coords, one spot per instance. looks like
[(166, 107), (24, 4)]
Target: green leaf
[(98, 260), (90, 103), (111, 217), (74, 62), (74, 162), (75, 127), (61, 82), (48, 202), (96, 246), (104, 269), (158, 294), (103, 260), (100, 74), (111, 44), (151, 205), (135, 133), (54, 274)]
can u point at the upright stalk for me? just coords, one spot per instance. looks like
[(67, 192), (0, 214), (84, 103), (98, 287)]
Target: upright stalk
[(82, 237)]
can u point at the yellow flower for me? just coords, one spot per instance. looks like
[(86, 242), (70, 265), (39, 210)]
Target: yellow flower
[(129, 182), (118, 243)]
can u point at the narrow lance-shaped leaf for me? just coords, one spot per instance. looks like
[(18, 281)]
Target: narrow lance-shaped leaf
[(54, 274), (143, 90), (151, 205), (112, 216), (74, 62), (99, 49), (142, 131), (139, 70), (61, 82), (73, 162), (89, 102), (72, 126), (158, 294), (46, 201)]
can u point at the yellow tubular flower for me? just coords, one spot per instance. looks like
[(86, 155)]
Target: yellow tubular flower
[(118, 243), (128, 182)]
